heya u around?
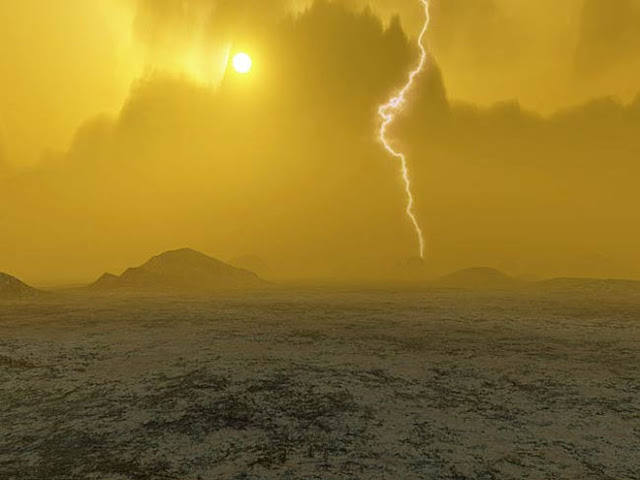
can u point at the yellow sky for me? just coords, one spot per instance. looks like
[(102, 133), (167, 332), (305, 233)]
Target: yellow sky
[(64, 64), (137, 143)]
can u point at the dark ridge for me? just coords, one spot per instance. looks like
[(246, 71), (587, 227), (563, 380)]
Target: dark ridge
[(183, 270), (13, 289), (253, 263)]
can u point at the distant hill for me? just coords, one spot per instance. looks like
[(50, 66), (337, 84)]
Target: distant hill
[(106, 281), (185, 271), (478, 278), (13, 289), (253, 263)]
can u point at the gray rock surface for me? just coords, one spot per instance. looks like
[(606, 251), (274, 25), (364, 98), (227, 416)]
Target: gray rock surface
[(321, 385)]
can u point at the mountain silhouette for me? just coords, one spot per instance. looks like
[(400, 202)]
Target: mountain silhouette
[(478, 278), (11, 288), (253, 263), (184, 270)]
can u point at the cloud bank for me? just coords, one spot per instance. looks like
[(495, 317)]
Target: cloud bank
[(285, 164)]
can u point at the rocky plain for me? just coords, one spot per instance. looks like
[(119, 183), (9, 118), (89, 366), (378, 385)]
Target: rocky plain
[(322, 383)]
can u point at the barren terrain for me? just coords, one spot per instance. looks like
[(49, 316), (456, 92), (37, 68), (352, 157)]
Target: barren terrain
[(321, 384)]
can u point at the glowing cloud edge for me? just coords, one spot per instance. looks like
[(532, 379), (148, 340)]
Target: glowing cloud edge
[(388, 113)]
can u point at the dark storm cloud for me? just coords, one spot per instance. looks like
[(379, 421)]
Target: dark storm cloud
[(477, 29), (551, 195), (286, 165), (159, 21), (609, 34)]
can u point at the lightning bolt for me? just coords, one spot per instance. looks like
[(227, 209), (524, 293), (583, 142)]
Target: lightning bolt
[(388, 113)]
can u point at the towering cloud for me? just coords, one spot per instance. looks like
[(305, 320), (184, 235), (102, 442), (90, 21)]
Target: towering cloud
[(60, 65), (608, 52), (284, 163), (84, 57), (609, 34), (194, 37)]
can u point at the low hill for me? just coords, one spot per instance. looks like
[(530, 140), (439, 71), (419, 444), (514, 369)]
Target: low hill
[(13, 289), (185, 271), (253, 263), (478, 278), (106, 281)]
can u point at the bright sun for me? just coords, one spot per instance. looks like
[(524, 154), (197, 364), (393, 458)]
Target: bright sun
[(242, 63)]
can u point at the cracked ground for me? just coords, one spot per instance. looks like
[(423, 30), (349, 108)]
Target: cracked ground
[(320, 384)]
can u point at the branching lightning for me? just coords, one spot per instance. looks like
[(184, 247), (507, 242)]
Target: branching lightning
[(388, 113)]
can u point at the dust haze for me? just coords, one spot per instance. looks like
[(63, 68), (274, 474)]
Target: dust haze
[(193, 155), (209, 273)]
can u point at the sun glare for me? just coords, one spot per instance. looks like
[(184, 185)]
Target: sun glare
[(242, 63)]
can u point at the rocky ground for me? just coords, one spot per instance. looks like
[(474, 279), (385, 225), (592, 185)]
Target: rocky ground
[(320, 384)]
